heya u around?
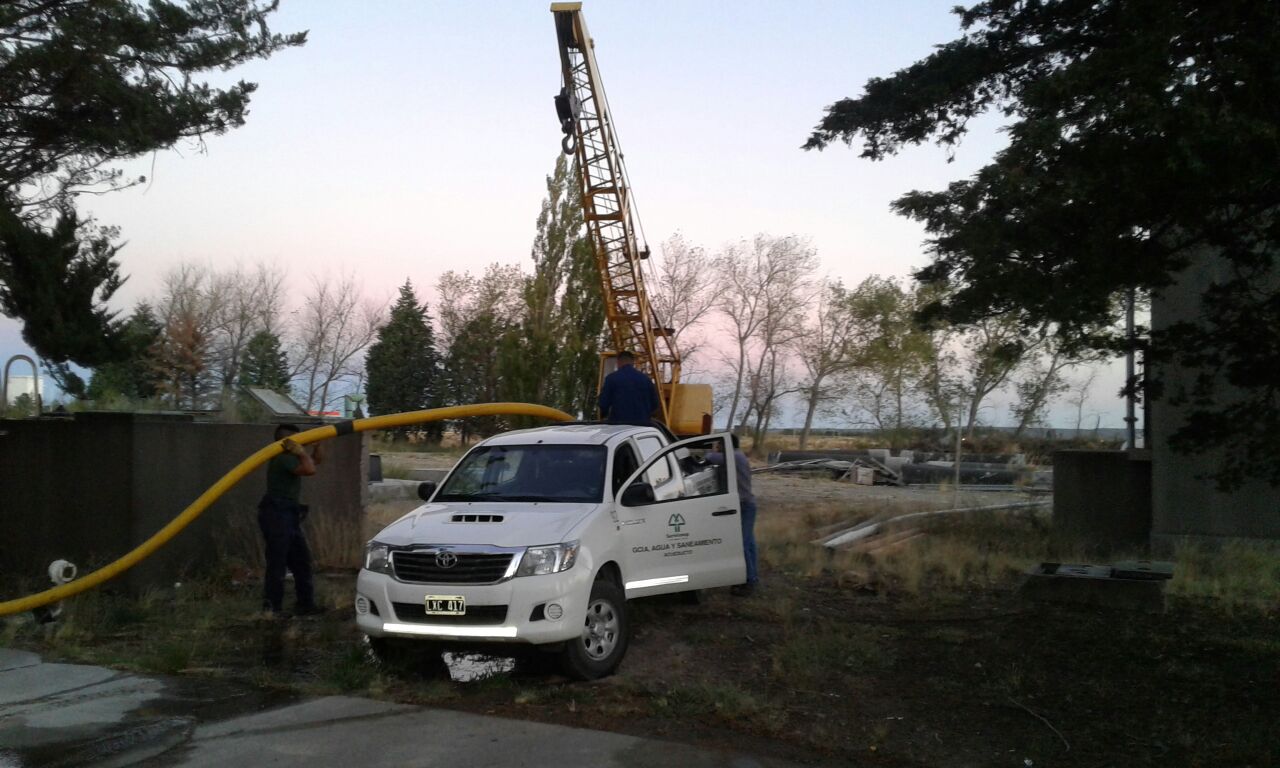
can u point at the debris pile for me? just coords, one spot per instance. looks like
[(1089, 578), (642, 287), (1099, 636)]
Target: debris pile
[(877, 466)]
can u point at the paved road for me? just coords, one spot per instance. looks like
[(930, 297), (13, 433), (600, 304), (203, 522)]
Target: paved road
[(62, 715)]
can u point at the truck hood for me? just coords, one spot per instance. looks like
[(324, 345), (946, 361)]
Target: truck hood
[(521, 524)]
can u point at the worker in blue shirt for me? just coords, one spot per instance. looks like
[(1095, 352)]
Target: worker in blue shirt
[(628, 396)]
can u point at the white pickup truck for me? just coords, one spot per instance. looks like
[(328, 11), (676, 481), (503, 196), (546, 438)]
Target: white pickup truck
[(540, 537)]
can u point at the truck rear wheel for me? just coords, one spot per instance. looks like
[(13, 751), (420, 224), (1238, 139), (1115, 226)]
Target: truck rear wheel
[(605, 633)]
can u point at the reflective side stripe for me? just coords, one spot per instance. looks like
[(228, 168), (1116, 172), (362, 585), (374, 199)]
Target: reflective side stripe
[(448, 631), (657, 582)]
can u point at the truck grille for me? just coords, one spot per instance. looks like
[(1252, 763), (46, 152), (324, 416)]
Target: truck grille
[(476, 615), (472, 567)]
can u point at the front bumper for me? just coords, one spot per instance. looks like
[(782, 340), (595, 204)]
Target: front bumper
[(523, 596)]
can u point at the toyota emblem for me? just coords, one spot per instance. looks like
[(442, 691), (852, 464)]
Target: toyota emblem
[(446, 559)]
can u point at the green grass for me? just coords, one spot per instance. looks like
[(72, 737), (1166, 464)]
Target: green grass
[(168, 657), (1235, 576), (816, 655), (349, 671), (707, 699)]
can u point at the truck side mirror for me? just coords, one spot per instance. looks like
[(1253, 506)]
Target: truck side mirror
[(425, 490), (638, 494)]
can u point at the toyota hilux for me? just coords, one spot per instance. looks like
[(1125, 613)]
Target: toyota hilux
[(539, 537)]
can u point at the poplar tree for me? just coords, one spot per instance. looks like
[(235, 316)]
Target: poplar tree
[(551, 356)]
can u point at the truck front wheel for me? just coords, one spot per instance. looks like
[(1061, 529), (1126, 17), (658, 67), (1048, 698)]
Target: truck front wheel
[(605, 632)]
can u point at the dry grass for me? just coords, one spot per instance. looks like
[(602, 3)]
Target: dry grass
[(986, 550), (1236, 574), (336, 542)]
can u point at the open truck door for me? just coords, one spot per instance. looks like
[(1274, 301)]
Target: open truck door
[(681, 520)]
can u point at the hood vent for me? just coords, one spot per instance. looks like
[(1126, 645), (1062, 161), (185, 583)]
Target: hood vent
[(476, 519)]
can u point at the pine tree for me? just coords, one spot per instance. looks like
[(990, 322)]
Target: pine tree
[(136, 376), (403, 366), (82, 86), (265, 363)]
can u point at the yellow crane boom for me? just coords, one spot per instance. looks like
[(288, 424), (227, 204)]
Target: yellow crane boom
[(583, 110)]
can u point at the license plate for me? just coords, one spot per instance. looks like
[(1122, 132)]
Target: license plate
[(446, 605)]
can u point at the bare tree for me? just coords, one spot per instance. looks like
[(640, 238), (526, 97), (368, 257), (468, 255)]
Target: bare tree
[(249, 302), (188, 310), (827, 349), (763, 295), (684, 293), (772, 382), (787, 297), (1080, 395), (463, 297), (331, 332)]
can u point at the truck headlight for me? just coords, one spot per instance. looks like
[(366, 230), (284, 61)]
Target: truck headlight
[(377, 557), (538, 561)]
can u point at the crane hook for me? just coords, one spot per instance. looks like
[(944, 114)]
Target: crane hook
[(567, 144)]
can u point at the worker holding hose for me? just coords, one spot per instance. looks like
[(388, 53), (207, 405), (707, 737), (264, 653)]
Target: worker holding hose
[(280, 517)]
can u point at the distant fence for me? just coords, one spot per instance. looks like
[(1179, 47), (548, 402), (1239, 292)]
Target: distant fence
[(1030, 433)]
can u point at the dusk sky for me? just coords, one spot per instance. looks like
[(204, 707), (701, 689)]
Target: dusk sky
[(410, 138)]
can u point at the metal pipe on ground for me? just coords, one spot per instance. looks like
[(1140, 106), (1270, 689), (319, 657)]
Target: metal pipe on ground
[(872, 527), (1003, 460), (917, 474)]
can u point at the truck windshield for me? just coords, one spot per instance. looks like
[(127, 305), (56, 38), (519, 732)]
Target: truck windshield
[(553, 473)]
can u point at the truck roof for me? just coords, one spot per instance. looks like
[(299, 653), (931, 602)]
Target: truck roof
[(570, 434)]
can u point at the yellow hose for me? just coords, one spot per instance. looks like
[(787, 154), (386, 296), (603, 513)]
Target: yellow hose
[(255, 460)]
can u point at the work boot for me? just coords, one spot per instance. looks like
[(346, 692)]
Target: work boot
[(742, 590), (275, 614), (309, 610)]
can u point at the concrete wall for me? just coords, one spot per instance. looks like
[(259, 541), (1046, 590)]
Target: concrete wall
[(91, 488), (1185, 504), (1102, 499)]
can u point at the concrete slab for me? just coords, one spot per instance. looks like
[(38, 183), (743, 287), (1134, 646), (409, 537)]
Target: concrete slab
[(56, 710), (428, 738), (314, 712), (11, 659), (65, 714), (45, 680), (392, 489), (1092, 585)]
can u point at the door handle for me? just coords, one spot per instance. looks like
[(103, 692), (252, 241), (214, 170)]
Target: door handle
[(633, 522), (722, 512)]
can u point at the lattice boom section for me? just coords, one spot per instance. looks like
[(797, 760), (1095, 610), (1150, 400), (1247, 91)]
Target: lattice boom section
[(609, 224)]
